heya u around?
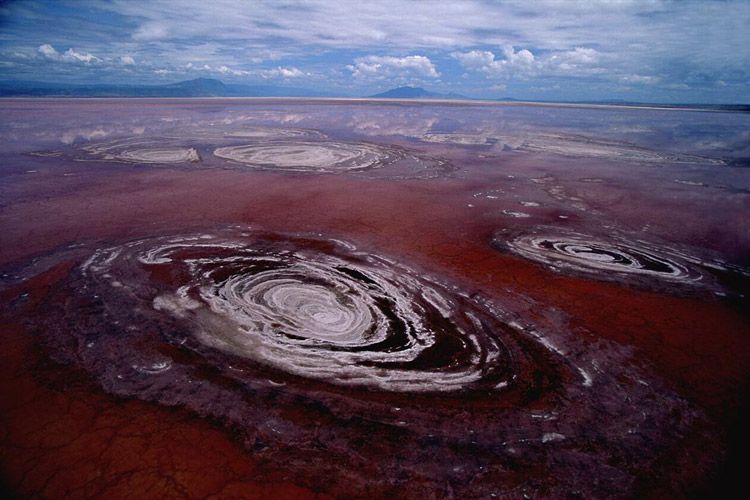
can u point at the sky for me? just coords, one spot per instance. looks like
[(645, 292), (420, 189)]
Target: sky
[(636, 50)]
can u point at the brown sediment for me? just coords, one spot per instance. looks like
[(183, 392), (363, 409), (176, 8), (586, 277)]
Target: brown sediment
[(63, 437)]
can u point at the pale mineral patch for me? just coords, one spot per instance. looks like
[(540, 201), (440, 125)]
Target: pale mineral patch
[(308, 156), (462, 139)]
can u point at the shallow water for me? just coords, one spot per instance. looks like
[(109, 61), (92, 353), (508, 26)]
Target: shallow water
[(300, 298)]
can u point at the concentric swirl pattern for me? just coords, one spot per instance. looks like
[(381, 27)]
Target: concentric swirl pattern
[(361, 320), (616, 258), (603, 256), (328, 156), (143, 150), (267, 148), (308, 347)]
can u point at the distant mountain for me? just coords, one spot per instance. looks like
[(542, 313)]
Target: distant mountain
[(209, 87), (415, 93), (200, 87)]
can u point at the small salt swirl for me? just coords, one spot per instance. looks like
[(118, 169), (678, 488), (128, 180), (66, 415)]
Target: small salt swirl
[(615, 258)]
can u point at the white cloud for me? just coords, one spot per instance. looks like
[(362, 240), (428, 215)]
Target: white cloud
[(678, 86), (547, 24), (475, 59), (521, 61), (290, 72), (389, 66), (70, 55), (640, 79), (521, 58), (151, 31), (198, 67), (224, 70), (127, 60), (48, 51), (581, 55), (579, 61), (617, 41)]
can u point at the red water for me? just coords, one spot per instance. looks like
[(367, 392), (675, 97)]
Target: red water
[(61, 434)]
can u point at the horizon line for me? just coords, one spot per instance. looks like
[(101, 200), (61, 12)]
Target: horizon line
[(510, 102)]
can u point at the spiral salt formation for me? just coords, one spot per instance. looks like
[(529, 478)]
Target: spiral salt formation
[(306, 346), (617, 258), (142, 150), (317, 315), (267, 148), (310, 156), (582, 254)]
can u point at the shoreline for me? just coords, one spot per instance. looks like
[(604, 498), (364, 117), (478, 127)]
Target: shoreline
[(369, 101)]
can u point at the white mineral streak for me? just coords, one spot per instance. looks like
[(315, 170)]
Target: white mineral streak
[(552, 436), (462, 139), (570, 145), (577, 146), (160, 155), (153, 368), (517, 215)]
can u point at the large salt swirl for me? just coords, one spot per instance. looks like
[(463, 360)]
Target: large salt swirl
[(331, 314), (326, 156), (306, 347)]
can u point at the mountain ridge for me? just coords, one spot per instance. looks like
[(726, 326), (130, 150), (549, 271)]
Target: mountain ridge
[(198, 87), (409, 92), (209, 87)]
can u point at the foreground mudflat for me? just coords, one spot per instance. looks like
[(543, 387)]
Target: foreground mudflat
[(412, 301)]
